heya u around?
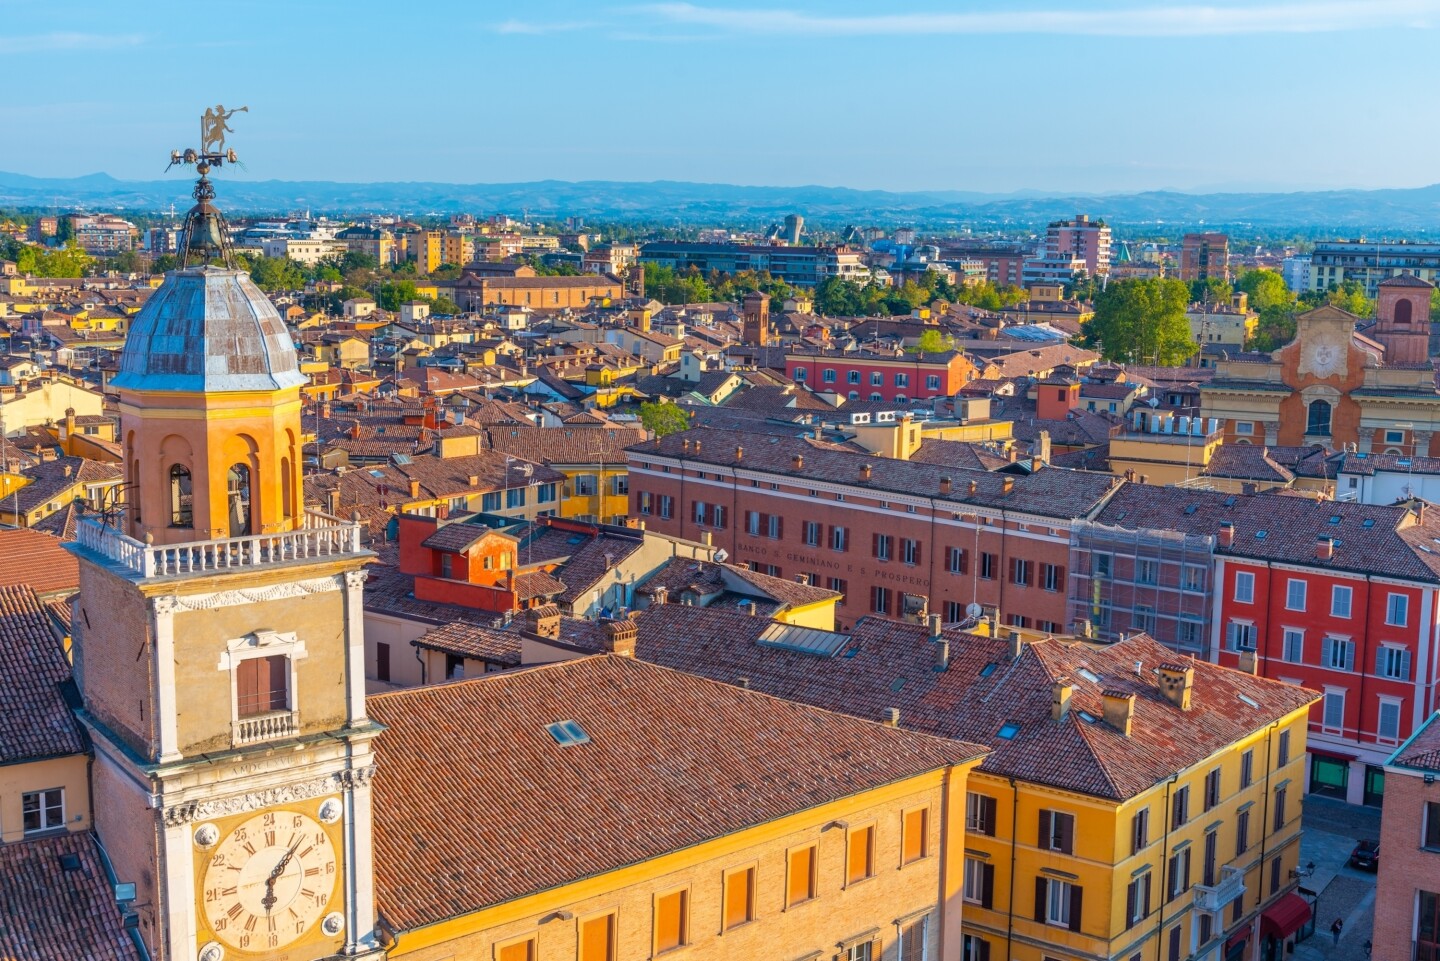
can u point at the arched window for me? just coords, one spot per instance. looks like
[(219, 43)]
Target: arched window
[(182, 497), (1318, 417), (1403, 310), (287, 489), (237, 482)]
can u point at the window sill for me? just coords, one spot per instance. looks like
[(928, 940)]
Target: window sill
[(858, 881)]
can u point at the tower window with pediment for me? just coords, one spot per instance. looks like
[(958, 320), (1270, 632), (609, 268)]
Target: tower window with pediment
[(1317, 419), (262, 685)]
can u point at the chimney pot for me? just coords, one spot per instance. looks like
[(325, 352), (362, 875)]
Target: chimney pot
[(1324, 548), (620, 637), (1060, 693), (1227, 534), (892, 717)]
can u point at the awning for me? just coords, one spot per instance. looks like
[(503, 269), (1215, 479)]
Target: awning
[(1285, 916), (1243, 934)]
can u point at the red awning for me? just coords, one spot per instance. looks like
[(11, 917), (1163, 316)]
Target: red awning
[(1285, 916), (1241, 935)]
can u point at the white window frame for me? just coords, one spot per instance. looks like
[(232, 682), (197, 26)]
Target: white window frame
[(1336, 592), (1057, 902), (261, 644), (43, 807), (1397, 603), (1345, 648), (974, 889), (1338, 694), (1389, 703), (1394, 655), (1296, 591), (1296, 636), (1246, 596)]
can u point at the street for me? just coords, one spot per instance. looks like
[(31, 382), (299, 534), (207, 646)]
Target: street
[(1331, 829)]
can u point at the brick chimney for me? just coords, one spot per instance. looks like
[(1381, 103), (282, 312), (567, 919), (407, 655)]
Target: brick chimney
[(946, 486), (1177, 682), (974, 486), (1060, 693), (1119, 710), (414, 487), (739, 453), (620, 637), (1227, 534), (1324, 548), (892, 717), (797, 462), (864, 472), (543, 621), (1007, 486), (1249, 660)]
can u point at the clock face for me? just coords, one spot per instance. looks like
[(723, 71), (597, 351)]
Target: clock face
[(269, 880)]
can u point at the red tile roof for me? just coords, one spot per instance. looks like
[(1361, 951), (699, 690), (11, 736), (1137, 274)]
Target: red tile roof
[(38, 561), (48, 913), (476, 804), (38, 723)]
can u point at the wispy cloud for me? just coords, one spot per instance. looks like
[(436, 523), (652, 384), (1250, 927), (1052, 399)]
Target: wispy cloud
[(47, 42), (534, 27), (1172, 20)]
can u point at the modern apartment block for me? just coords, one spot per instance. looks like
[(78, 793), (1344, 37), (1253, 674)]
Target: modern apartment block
[(1205, 256), (803, 266), (1335, 261), (1079, 239)]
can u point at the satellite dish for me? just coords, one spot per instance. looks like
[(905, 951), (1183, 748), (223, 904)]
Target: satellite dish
[(974, 610), (721, 556)]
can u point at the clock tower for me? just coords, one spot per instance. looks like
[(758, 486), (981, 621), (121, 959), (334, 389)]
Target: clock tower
[(219, 637)]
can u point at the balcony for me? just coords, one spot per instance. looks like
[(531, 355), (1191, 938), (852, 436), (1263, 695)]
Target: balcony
[(1216, 897), (321, 536), (270, 726)]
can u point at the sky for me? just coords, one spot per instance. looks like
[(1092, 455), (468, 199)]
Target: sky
[(1029, 95)]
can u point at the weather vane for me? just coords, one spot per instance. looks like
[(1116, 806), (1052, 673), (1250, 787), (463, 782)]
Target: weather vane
[(207, 237)]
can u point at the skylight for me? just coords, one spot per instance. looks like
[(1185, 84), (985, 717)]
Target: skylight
[(1248, 700), (1089, 675), (1190, 509), (1368, 522), (568, 733), (1260, 535), (988, 669), (1008, 730), (1230, 501), (1334, 518), (1087, 716)]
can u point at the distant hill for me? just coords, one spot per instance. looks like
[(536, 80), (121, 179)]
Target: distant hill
[(1341, 211)]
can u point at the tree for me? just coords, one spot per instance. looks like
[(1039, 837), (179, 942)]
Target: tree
[(1212, 291), (932, 341), (1265, 288), (663, 418), (444, 306), (276, 273), (1142, 321), (68, 261), (395, 293), (163, 263)]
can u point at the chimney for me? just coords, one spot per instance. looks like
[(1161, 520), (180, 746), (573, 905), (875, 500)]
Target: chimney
[(1227, 534), (355, 431), (1119, 710), (660, 596), (685, 444), (1249, 661), (70, 426), (942, 655), (414, 487), (934, 622), (1177, 682), (620, 637), (474, 480), (1035, 464), (332, 502), (1017, 643), (1007, 486), (864, 472), (798, 462), (946, 486), (739, 453), (1011, 454), (544, 621), (892, 717), (325, 409), (697, 444), (743, 682), (1324, 548), (1060, 693), (974, 486), (67, 469)]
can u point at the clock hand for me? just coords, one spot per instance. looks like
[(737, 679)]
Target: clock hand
[(269, 900)]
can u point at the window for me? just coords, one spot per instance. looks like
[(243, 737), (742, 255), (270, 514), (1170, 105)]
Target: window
[(739, 898), (877, 379), (1294, 646), (262, 685), (699, 512), (1137, 900), (909, 551), (880, 600), (974, 948), (800, 885), (1057, 832), (491, 502), (752, 523), (955, 560), (813, 533), (597, 939), (860, 855), (774, 526), (987, 566), (1334, 711), (1244, 587), (839, 586), (1179, 881), (932, 382), (839, 539), (912, 942), (1104, 564), (182, 497), (1212, 789), (515, 497), (619, 484), (672, 921), (43, 810), (1020, 571), (546, 493), (882, 546), (1193, 577), (980, 814), (1280, 793), (585, 485), (1295, 594), (1239, 635), (447, 565), (1397, 610), (1180, 808), (1317, 419), (1212, 840), (1393, 662), (667, 506), (864, 951), (1247, 768), (1338, 654), (518, 951), (1242, 832), (1052, 577), (1140, 831), (852, 377), (902, 380), (915, 842), (799, 374), (1387, 727), (1146, 572), (1432, 825), (828, 375), (1057, 902), (979, 882), (717, 516), (1143, 618)]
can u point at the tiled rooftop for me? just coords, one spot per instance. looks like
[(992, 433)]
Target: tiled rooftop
[(38, 723), (49, 912)]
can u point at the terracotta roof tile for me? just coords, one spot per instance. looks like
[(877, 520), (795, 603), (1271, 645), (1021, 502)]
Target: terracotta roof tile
[(39, 724), (48, 913), (37, 560)]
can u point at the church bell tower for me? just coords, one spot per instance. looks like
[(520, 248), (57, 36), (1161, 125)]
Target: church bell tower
[(219, 647)]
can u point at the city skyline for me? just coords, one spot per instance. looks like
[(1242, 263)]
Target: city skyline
[(923, 97)]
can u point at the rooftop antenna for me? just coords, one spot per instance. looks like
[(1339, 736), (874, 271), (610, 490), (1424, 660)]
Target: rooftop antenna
[(207, 236)]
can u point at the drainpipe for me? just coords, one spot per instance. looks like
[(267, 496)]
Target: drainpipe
[(1265, 815), (421, 661), (1014, 836), (1165, 878)]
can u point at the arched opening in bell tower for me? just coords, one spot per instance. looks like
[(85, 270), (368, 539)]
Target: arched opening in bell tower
[(237, 483), (182, 497)]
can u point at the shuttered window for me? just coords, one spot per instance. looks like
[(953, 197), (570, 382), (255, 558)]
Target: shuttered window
[(262, 685), (597, 939), (801, 883), (860, 855), (916, 823), (739, 897), (670, 920)]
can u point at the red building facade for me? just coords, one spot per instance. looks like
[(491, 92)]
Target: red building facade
[(880, 377)]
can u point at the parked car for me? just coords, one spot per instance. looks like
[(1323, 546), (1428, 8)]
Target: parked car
[(1366, 856)]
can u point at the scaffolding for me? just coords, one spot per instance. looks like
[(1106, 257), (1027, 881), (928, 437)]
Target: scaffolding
[(1128, 581)]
